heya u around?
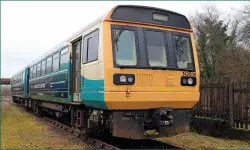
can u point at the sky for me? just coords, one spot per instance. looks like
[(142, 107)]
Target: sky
[(31, 29)]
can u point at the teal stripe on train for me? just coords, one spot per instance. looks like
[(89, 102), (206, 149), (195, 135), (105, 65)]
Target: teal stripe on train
[(92, 93), (68, 66), (25, 82)]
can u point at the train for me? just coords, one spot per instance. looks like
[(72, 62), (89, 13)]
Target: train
[(132, 73)]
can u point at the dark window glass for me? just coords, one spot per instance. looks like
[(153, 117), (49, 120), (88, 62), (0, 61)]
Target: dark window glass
[(156, 49), (125, 48), (64, 59), (183, 52), (43, 68), (48, 65), (91, 47), (55, 66), (38, 70)]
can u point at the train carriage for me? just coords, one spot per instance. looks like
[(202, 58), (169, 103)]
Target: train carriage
[(133, 71)]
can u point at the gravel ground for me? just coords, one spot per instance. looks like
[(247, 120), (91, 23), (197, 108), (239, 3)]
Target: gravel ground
[(5, 101)]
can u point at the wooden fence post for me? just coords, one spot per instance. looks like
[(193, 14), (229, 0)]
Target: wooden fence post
[(231, 104), (225, 104)]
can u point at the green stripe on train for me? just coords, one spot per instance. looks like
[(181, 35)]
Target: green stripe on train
[(51, 98)]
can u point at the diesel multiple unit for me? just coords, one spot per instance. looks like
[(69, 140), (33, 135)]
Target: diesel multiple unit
[(132, 73)]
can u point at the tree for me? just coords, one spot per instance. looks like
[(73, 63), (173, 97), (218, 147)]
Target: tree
[(210, 33), (244, 28), (218, 46)]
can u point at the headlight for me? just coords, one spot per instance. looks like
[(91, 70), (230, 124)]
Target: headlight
[(184, 80), (124, 79), (190, 81), (130, 79)]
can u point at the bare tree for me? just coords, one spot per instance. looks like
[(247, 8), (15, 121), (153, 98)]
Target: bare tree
[(244, 27)]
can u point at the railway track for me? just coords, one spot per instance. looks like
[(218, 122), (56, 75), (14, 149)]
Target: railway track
[(92, 142), (109, 142)]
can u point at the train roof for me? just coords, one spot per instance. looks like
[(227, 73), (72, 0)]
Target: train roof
[(117, 13)]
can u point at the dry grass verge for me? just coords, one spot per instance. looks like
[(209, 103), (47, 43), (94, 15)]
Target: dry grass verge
[(194, 140), (22, 130)]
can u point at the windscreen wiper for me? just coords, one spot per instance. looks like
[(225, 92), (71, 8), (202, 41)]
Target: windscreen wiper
[(117, 36)]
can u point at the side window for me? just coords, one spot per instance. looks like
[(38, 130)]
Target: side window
[(91, 44), (43, 68), (38, 70), (30, 74), (55, 66), (21, 77), (34, 71), (64, 58), (48, 65)]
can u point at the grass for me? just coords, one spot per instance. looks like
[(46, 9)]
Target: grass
[(22, 130), (193, 140)]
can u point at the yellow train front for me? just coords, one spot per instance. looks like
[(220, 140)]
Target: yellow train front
[(151, 71)]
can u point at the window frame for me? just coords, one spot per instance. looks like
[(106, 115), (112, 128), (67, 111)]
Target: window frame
[(52, 70), (85, 43), (38, 65), (50, 56), (34, 71), (44, 60), (126, 27), (30, 72), (190, 47), (61, 54), (167, 52)]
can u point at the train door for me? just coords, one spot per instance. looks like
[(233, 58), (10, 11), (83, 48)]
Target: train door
[(76, 69)]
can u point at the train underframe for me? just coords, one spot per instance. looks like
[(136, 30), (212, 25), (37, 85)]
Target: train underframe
[(134, 124)]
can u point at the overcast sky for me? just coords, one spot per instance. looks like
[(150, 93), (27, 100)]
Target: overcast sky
[(31, 29)]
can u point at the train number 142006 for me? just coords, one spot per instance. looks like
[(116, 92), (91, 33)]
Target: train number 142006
[(189, 74)]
